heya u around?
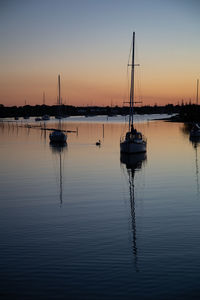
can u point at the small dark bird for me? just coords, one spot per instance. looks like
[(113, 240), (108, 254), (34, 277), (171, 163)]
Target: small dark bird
[(98, 143)]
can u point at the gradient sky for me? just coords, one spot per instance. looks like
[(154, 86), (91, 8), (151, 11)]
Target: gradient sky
[(88, 43)]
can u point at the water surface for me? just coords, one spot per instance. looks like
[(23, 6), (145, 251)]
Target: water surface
[(81, 222)]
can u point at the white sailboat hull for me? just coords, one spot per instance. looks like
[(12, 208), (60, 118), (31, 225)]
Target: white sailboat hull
[(132, 147)]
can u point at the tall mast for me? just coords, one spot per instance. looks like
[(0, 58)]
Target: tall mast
[(44, 98), (132, 84), (59, 102), (197, 96), (59, 89)]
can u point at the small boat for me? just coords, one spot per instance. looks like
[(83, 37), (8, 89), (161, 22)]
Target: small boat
[(45, 118), (58, 136), (133, 142), (195, 131), (37, 119)]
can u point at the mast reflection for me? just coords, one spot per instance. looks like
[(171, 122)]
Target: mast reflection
[(58, 149), (133, 163), (195, 140)]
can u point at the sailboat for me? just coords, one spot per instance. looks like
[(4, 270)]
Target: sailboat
[(58, 136), (195, 131), (133, 142)]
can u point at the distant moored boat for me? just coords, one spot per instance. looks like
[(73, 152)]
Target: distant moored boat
[(195, 132), (45, 118), (38, 119), (58, 136)]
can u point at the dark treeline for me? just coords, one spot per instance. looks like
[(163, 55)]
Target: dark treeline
[(188, 112)]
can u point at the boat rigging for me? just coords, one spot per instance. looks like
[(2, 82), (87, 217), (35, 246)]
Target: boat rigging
[(133, 142), (58, 136)]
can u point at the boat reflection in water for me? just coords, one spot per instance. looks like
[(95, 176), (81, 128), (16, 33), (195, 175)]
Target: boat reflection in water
[(58, 150), (195, 140), (133, 163)]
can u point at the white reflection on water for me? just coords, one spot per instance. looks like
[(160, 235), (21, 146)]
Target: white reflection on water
[(122, 228)]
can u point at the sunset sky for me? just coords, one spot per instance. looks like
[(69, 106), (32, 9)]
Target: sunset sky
[(88, 42)]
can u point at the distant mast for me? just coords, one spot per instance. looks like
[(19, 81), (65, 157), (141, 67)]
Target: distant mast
[(43, 98), (59, 89), (197, 96)]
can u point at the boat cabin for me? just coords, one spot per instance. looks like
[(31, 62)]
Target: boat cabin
[(133, 135)]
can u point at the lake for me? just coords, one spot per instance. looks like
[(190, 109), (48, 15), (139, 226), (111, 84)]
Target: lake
[(81, 222)]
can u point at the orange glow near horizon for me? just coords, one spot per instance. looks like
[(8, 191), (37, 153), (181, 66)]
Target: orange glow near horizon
[(89, 45), (97, 90)]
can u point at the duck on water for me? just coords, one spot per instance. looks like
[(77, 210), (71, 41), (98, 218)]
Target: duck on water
[(98, 143)]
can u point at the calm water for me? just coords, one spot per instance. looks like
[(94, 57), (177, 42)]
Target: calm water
[(78, 223)]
